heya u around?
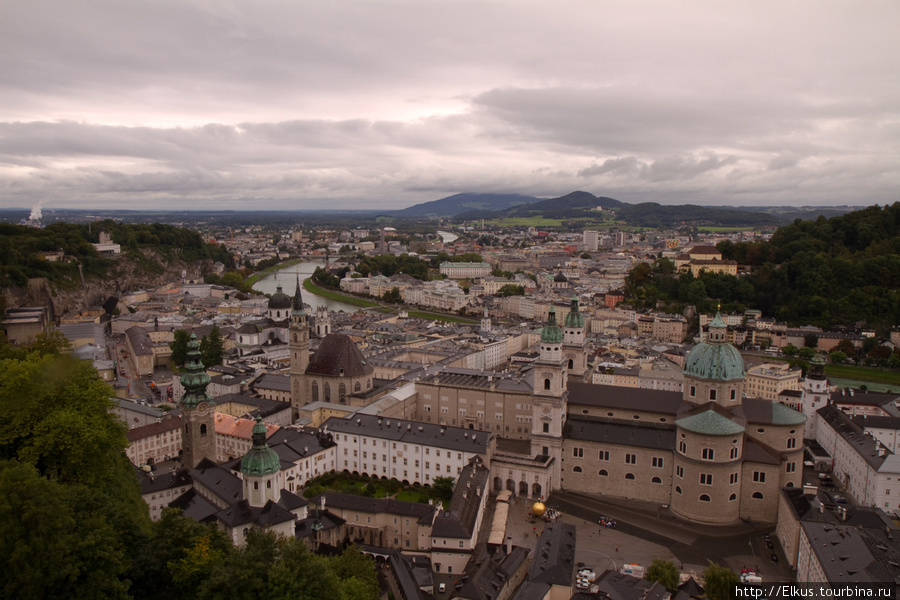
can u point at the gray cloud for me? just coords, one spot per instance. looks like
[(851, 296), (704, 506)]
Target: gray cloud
[(388, 103)]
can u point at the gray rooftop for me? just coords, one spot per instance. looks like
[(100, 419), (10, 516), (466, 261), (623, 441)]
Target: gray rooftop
[(412, 432)]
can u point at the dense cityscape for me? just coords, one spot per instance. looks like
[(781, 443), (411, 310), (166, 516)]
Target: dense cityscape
[(482, 410)]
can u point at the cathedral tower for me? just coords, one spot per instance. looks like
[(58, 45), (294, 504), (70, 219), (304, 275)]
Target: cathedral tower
[(574, 350), (198, 438), (550, 396)]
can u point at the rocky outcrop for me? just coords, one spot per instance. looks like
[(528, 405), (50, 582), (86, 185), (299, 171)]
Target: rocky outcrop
[(126, 276)]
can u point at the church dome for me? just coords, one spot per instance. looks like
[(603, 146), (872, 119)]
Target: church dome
[(551, 333), (715, 359), (574, 320), (279, 300), (260, 459), (560, 278)]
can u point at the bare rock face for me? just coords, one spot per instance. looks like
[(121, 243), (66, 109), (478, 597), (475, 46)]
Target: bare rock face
[(126, 276)]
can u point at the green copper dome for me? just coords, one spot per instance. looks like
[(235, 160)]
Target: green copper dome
[(715, 358), (551, 333), (574, 320), (196, 379), (260, 459), (709, 423)]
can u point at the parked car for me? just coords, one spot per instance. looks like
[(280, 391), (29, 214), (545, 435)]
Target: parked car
[(442, 587)]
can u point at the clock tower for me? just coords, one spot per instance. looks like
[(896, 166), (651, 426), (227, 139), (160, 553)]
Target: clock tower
[(299, 348), (198, 436)]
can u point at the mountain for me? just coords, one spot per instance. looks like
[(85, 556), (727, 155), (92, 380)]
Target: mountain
[(458, 203), (565, 206), (651, 214)]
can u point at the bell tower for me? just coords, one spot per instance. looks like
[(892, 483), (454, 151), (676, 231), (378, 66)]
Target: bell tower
[(574, 350), (299, 348), (198, 437), (550, 396)]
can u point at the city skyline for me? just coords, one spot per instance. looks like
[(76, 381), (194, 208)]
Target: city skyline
[(301, 105)]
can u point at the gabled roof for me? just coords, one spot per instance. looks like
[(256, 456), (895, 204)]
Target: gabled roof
[(554, 557), (603, 430), (458, 521), (767, 412), (620, 397)]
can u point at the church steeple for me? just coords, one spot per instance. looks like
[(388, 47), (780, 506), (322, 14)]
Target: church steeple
[(299, 348), (197, 412), (261, 469)]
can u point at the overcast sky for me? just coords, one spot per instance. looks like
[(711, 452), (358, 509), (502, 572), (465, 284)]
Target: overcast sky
[(301, 104)]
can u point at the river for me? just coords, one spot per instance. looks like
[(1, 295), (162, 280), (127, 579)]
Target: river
[(287, 277)]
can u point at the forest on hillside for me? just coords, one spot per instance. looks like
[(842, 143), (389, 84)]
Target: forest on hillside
[(828, 272), (21, 248)]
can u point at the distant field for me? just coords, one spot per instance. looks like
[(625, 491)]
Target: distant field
[(723, 229), (529, 222), (863, 374)]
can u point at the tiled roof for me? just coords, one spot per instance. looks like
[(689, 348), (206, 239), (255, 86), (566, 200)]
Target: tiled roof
[(620, 397), (642, 435), (338, 355)]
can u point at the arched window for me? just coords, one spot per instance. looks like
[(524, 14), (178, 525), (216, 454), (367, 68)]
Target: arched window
[(368, 383), (571, 364), (356, 387), (315, 391), (327, 392), (546, 384), (342, 394), (603, 473), (629, 475), (295, 337), (269, 484), (732, 497), (576, 469), (758, 495), (656, 480), (704, 497), (203, 429), (677, 489), (255, 485)]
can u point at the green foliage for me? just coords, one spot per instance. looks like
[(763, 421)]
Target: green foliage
[(720, 582), (442, 489), (467, 257), (212, 347), (663, 571), (388, 265), (20, 249), (392, 295), (790, 350), (179, 347), (806, 352), (511, 289), (837, 357)]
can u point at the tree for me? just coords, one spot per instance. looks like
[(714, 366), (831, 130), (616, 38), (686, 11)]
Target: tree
[(837, 357), (511, 289), (720, 582), (663, 571), (806, 352), (811, 340), (179, 347), (790, 350), (442, 489), (392, 295), (212, 347)]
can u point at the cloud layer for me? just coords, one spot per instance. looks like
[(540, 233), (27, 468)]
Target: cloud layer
[(302, 104)]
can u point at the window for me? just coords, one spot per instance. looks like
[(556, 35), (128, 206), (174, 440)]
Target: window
[(656, 480), (704, 498), (677, 489), (578, 452), (733, 394), (693, 391), (315, 391), (734, 452), (757, 495), (629, 475), (712, 394), (461, 543), (792, 443), (682, 447), (631, 459), (327, 392), (790, 467), (759, 477), (657, 462), (203, 429), (603, 473), (706, 479), (604, 455), (732, 497), (733, 478), (342, 394), (546, 427), (356, 387), (546, 384), (708, 453), (576, 469), (679, 471)]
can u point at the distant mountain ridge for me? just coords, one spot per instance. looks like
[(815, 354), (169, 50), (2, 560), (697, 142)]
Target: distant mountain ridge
[(460, 203)]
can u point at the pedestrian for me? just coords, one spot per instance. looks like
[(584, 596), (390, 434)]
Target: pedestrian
[(617, 548)]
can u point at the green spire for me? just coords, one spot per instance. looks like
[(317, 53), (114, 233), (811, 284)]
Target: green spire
[(260, 459), (551, 333), (196, 379), (574, 320)]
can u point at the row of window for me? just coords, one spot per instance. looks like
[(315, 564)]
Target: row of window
[(342, 391), (731, 498)]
